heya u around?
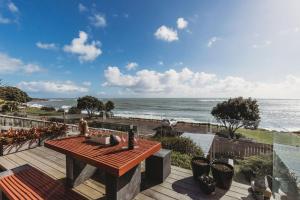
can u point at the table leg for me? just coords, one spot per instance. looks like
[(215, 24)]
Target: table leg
[(125, 187), (77, 171)]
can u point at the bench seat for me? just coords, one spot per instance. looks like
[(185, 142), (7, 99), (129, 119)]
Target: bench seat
[(26, 182)]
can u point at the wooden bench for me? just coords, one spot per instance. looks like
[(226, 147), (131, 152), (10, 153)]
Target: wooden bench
[(28, 183)]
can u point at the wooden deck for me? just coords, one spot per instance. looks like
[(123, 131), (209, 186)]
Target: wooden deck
[(179, 185)]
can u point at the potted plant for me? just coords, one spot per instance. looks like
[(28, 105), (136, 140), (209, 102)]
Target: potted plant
[(258, 187), (207, 184), (200, 166), (222, 173)]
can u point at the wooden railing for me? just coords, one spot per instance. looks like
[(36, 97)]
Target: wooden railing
[(238, 148), (22, 122)]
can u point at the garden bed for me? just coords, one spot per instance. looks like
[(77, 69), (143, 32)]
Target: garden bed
[(15, 140)]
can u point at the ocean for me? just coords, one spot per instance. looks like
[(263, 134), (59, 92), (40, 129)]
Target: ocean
[(276, 114)]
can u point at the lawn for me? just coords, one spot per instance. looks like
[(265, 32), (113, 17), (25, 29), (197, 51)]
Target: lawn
[(39, 112), (269, 137)]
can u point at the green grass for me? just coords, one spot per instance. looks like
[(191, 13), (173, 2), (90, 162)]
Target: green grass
[(39, 112), (269, 137)]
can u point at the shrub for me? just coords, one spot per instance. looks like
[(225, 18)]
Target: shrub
[(166, 131), (13, 136), (181, 144), (61, 110), (257, 166), (49, 109), (224, 133), (10, 106), (74, 110), (181, 160)]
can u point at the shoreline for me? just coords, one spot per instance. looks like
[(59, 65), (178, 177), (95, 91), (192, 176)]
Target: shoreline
[(267, 123), (192, 123), (151, 122)]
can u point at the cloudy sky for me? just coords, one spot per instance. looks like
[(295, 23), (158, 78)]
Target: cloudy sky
[(135, 48)]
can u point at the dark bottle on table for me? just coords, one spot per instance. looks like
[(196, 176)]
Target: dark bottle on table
[(131, 138)]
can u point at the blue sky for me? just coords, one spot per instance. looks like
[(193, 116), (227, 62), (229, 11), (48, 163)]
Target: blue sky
[(136, 48)]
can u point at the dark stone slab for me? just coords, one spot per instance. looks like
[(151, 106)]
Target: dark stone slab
[(125, 187), (78, 171), (158, 166)]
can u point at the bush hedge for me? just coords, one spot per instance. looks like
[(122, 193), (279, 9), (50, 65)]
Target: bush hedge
[(181, 144), (167, 131), (183, 150), (257, 166), (49, 109), (181, 160), (74, 110)]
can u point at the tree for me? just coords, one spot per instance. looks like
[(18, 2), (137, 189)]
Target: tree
[(74, 110), (109, 106), (8, 93), (101, 106), (236, 113), (88, 103)]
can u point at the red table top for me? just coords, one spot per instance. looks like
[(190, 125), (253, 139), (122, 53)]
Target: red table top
[(113, 159)]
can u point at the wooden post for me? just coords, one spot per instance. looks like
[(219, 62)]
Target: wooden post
[(39, 140), (1, 148)]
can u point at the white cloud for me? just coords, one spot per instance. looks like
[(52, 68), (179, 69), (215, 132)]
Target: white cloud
[(166, 34), (182, 23), (98, 20), (160, 63), (4, 20), (45, 45), (132, 66), (12, 7), (289, 30), (101, 93), (10, 65), (86, 52), (186, 83), (116, 78), (52, 87), (262, 44), (87, 83), (212, 40), (31, 68), (82, 8)]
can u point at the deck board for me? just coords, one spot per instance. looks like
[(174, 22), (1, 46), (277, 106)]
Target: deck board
[(179, 185)]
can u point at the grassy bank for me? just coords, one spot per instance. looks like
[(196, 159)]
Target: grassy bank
[(269, 137), (39, 112)]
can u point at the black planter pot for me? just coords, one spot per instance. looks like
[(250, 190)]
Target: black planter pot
[(223, 178), (200, 169), (207, 184)]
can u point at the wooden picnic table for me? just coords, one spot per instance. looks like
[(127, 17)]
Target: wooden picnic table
[(121, 166)]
